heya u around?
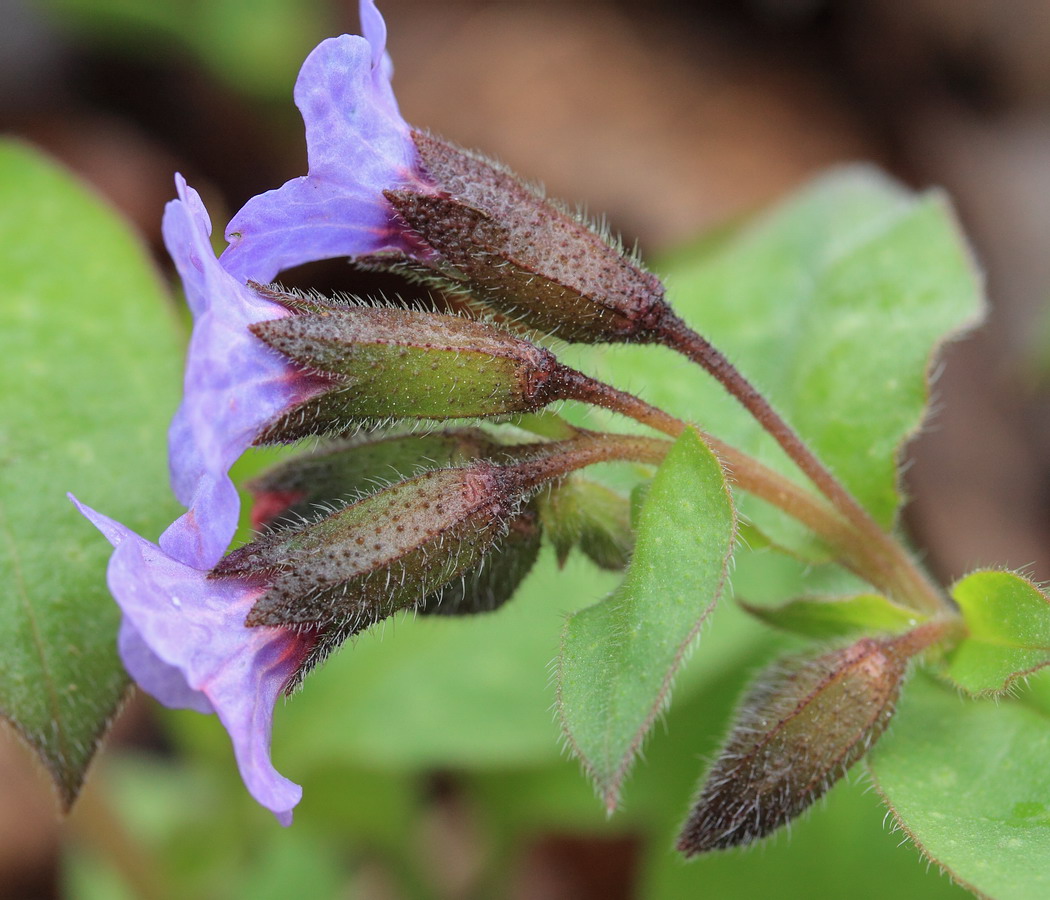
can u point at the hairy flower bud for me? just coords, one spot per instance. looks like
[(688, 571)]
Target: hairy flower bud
[(511, 249), (799, 729), (579, 511), (394, 363), (396, 548), (339, 472)]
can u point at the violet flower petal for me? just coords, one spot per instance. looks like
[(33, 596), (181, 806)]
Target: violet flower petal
[(373, 27), (157, 678), (234, 385), (357, 146), (178, 621)]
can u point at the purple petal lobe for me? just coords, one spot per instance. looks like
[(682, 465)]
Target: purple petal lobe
[(164, 682), (357, 146), (179, 622), (373, 27), (200, 536), (234, 384)]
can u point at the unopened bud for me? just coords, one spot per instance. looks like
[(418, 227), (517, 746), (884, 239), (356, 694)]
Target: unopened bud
[(340, 472), (799, 729), (502, 242), (579, 511), (403, 364)]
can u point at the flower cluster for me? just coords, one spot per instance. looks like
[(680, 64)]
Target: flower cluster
[(183, 636), (228, 634)]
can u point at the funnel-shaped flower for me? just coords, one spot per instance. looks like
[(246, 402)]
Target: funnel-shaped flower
[(394, 198), (183, 639), (357, 146), (234, 385)]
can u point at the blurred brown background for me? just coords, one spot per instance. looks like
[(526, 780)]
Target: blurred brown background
[(668, 118)]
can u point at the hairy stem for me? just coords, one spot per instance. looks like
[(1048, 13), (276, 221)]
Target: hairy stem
[(537, 464), (868, 551), (680, 337)]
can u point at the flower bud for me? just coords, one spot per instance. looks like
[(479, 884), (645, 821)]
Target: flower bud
[(339, 472), (393, 363), (578, 511), (502, 242), (799, 729)]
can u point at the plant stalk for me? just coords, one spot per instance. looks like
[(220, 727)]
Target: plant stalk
[(869, 552)]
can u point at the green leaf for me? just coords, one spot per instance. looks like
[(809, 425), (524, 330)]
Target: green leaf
[(619, 657), (1008, 631), (834, 305), (89, 382), (968, 782), (832, 617)]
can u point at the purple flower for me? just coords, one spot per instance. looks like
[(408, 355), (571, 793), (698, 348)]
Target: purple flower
[(398, 200), (357, 146), (234, 386), (184, 641)]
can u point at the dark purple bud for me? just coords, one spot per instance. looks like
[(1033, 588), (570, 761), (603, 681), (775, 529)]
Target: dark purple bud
[(511, 249), (801, 726), (580, 512)]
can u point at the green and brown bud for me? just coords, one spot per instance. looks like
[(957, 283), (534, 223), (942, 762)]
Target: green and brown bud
[(509, 248), (801, 726), (333, 475), (380, 365), (403, 364), (386, 552), (580, 512), (404, 544)]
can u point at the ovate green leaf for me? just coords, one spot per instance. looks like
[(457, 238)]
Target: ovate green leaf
[(88, 383), (619, 657), (1008, 631), (967, 780)]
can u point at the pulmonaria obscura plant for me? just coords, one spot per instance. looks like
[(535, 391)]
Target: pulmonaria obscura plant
[(447, 444)]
